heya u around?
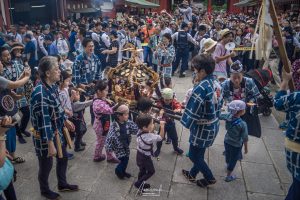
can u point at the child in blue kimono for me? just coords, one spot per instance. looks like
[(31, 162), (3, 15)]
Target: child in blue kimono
[(236, 136)]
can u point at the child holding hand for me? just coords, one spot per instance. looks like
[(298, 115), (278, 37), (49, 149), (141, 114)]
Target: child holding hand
[(236, 136)]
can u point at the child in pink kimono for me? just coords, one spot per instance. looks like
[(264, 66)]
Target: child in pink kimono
[(103, 111)]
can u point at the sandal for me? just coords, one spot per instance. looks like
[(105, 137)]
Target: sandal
[(230, 178), (18, 160), (204, 183)]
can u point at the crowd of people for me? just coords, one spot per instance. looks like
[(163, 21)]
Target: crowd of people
[(46, 71)]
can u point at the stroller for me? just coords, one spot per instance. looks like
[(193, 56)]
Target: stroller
[(261, 79)]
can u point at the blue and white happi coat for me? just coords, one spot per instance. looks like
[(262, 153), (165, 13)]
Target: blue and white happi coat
[(249, 93), (203, 105), (86, 69), (291, 105), (47, 116)]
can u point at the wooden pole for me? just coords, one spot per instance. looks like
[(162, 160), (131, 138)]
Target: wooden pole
[(282, 50)]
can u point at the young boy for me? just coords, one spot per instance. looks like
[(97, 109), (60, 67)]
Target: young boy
[(119, 138), (145, 140), (236, 136), (169, 102), (78, 118)]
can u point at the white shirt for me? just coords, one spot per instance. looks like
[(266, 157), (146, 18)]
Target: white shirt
[(62, 46), (187, 14), (149, 138), (17, 37), (104, 37), (41, 40)]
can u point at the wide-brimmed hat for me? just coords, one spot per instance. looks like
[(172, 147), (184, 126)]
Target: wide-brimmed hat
[(16, 45), (224, 32), (209, 44)]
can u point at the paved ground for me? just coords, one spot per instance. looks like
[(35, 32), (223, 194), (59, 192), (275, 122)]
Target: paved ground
[(262, 174)]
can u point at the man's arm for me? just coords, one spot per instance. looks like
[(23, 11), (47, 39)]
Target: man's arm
[(95, 37), (192, 40), (41, 45)]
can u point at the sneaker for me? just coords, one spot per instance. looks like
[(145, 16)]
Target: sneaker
[(156, 153), (283, 125), (181, 75), (119, 175), (27, 134), (187, 175), (70, 156), (22, 140), (101, 158), (178, 151), (127, 175), (68, 188), (81, 148), (51, 195), (83, 144), (113, 160), (144, 185), (168, 141), (204, 183), (230, 178)]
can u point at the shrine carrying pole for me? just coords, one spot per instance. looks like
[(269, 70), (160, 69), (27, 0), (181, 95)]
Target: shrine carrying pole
[(282, 51)]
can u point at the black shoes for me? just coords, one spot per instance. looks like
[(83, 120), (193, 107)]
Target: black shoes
[(22, 140), (187, 175), (142, 186), (68, 188), (127, 175), (168, 141), (119, 175), (178, 151), (51, 195), (27, 134), (81, 148), (181, 75)]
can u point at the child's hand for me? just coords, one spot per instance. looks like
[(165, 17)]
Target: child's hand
[(161, 112), (246, 150), (162, 124), (177, 110)]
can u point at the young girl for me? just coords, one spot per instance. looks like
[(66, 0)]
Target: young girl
[(236, 136), (102, 110), (119, 138), (145, 140), (66, 102)]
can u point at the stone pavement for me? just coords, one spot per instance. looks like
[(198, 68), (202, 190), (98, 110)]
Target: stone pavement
[(262, 175)]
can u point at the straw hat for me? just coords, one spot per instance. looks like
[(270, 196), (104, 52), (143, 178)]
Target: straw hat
[(224, 32), (16, 45), (209, 44)]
